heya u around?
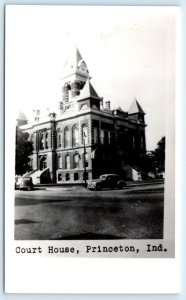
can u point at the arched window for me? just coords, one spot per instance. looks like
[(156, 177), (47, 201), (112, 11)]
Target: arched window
[(67, 137), (67, 162), (85, 134), (42, 141), (46, 140), (59, 139), (76, 161), (59, 162), (75, 136)]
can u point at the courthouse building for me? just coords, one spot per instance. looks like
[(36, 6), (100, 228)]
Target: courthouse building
[(85, 138)]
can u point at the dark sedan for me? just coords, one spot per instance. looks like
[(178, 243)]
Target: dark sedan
[(106, 181)]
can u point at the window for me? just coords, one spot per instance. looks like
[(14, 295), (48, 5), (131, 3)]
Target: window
[(67, 137), (86, 160), (67, 162), (133, 142), (75, 136), (102, 137), (59, 139), (59, 162), (95, 134), (85, 134), (76, 161), (46, 140), (67, 176), (43, 162), (42, 141), (59, 177), (76, 176), (109, 137), (32, 140)]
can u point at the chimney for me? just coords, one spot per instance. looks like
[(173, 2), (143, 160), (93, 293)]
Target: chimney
[(101, 103), (107, 104)]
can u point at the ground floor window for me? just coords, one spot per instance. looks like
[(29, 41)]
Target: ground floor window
[(76, 176), (43, 162), (67, 176), (59, 177), (85, 176)]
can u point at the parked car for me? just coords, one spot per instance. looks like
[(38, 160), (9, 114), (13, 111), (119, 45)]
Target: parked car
[(106, 181), (26, 183)]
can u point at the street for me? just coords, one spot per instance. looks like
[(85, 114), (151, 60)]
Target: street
[(76, 213)]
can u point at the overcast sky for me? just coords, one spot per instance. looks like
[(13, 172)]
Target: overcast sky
[(128, 55)]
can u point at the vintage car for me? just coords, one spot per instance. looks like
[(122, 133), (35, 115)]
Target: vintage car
[(106, 181), (26, 183)]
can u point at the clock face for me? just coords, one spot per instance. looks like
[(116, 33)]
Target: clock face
[(83, 67)]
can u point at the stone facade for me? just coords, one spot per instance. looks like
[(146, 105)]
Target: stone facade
[(86, 138)]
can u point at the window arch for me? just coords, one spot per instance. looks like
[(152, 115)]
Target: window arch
[(75, 136), (67, 137), (59, 138), (85, 134), (67, 162)]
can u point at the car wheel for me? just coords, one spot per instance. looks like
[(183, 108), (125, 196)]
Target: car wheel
[(120, 185)]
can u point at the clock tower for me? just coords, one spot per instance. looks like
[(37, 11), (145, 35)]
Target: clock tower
[(75, 75)]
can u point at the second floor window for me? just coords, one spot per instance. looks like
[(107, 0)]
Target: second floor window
[(59, 139), (76, 161), (102, 137), (85, 134), (75, 136), (46, 140), (59, 162), (67, 137), (95, 134), (42, 141), (67, 162)]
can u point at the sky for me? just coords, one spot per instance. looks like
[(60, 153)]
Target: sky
[(129, 53)]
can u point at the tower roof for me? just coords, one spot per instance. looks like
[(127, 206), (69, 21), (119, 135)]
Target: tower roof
[(135, 108), (75, 63), (88, 91)]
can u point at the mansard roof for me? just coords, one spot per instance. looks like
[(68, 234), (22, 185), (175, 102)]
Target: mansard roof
[(135, 108)]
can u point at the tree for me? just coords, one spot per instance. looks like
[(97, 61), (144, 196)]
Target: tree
[(159, 153), (23, 151)]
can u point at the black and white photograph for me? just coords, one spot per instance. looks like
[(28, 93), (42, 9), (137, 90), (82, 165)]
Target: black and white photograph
[(90, 109)]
